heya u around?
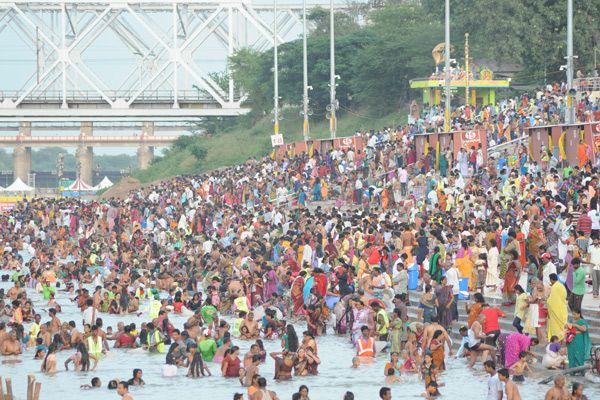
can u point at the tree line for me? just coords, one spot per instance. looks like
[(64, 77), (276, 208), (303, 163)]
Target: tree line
[(376, 59)]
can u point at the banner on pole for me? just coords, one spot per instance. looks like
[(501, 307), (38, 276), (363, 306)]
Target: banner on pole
[(277, 140)]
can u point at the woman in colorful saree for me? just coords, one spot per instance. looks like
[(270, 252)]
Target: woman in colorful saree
[(578, 340), (557, 308)]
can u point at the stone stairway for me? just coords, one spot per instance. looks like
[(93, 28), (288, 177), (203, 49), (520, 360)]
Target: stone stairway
[(591, 316)]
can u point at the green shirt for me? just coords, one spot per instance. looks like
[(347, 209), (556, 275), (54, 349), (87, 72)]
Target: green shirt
[(47, 291), (579, 281), (208, 348), (208, 314)]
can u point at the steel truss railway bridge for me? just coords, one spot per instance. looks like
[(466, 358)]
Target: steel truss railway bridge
[(166, 48)]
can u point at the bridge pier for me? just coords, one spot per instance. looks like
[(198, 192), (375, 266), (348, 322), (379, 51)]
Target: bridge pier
[(22, 155), (85, 161), (21, 162), (85, 155), (145, 153)]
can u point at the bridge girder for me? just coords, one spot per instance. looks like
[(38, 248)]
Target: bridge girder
[(169, 78)]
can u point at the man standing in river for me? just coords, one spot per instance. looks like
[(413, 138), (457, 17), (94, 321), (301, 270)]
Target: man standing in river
[(510, 387), (558, 391), (494, 386)]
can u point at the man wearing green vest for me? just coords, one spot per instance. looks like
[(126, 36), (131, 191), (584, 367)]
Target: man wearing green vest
[(94, 345), (154, 307), (382, 321), (155, 339)]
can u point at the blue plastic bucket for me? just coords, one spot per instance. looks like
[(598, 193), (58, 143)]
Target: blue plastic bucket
[(463, 287), (413, 278)]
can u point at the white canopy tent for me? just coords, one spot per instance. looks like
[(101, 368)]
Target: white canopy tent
[(80, 186), (105, 183), (18, 186)]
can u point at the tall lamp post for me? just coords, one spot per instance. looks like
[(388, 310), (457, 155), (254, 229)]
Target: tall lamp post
[(333, 103), (570, 90), (447, 70), (305, 125), (275, 73)]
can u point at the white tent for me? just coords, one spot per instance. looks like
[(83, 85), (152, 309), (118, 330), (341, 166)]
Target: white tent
[(79, 186), (19, 186), (105, 183)]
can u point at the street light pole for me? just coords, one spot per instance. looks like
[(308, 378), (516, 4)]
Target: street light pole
[(570, 106), (333, 105), (447, 68), (305, 126), (275, 73), (467, 69)]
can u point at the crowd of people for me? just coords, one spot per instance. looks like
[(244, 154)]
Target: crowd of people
[(508, 118), (330, 241)]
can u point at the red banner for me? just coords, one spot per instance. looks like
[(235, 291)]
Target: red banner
[(471, 138)]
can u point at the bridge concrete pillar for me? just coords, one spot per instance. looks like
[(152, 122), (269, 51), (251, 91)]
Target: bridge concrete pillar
[(145, 152), (21, 162), (85, 154), (22, 155), (145, 155), (85, 162)]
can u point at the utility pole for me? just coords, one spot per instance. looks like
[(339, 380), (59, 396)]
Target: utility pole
[(305, 126), (275, 73), (447, 66), (467, 69), (37, 55), (570, 91), (333, 105)]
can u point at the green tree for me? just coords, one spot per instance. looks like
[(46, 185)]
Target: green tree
[(344, 22), (252, 73), (527, 32), (400, 50)]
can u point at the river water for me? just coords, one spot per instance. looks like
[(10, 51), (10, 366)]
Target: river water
[(334, 379)]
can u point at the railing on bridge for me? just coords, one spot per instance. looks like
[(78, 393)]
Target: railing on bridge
[(92, 96), (91, 139)]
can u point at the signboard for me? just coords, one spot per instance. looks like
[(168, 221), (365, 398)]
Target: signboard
[(6, 205), (349, 142), (470, 139), (277, 140)]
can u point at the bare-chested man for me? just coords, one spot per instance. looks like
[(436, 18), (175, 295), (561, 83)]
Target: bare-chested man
[(55, 323), (510, 388), (14, 291), (76, 336), (10, 345), (254, 350), (45, 334), (558, 391), (249, 328), (3, 334), (430, 330)]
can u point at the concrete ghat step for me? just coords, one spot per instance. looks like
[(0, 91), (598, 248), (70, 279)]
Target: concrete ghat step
[(591, 316), (505, 326)]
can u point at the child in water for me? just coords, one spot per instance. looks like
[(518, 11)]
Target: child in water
[(391, 377), (429, 374), (95, 384), (355, 362), (197, 366), (519, 368)]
